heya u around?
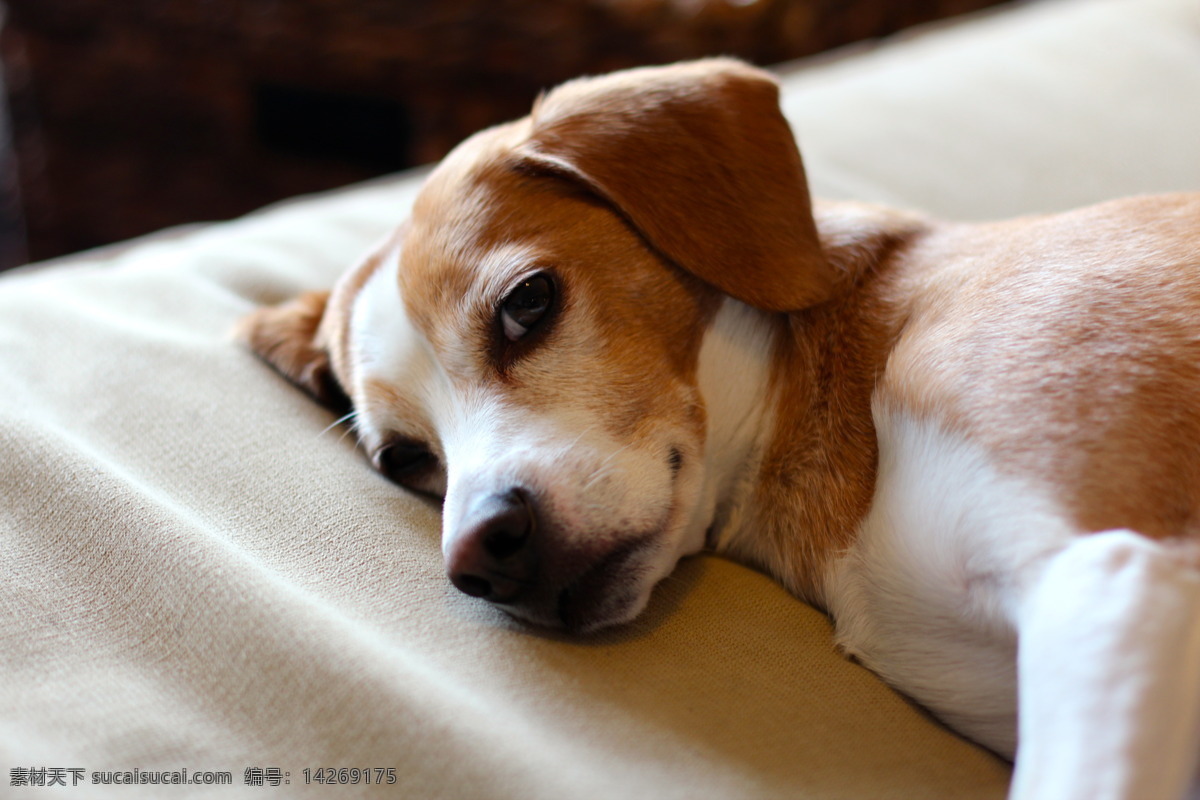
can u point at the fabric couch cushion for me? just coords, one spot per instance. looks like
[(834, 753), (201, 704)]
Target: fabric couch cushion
[(198, 570), (1043, 107)]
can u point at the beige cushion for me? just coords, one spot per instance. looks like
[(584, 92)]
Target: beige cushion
[(197, 571), (1051, 106)]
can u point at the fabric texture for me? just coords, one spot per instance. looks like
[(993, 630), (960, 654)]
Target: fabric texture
[(199, 571)]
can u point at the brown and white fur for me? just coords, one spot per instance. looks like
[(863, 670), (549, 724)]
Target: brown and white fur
[(976, 445)]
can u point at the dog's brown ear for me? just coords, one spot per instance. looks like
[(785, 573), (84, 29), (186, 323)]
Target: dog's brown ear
[(286, 337), (699, 158)]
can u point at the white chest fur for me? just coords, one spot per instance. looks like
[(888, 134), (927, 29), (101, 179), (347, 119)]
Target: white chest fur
[(927, 596)]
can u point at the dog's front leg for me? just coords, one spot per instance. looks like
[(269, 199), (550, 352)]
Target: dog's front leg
[(1109, 673)]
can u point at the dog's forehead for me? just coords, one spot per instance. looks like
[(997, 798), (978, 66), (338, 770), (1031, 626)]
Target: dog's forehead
[(468, 203), (481, 223), (461, 233)]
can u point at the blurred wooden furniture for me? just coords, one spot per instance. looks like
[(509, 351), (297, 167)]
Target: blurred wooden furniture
[(135, 115)]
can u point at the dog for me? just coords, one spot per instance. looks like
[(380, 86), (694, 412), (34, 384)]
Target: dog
[(618, 332)]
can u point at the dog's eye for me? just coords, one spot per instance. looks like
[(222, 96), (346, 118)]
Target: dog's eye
[(526, 306), (401, 459)]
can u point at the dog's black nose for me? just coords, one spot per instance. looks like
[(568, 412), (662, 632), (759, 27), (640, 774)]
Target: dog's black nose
[(494, 556)]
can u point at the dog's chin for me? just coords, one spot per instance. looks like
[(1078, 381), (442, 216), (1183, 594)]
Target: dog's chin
[(612, 591), (582, 617), (616, 588)]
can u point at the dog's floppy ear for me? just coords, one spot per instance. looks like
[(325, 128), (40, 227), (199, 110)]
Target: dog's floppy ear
[(699, 158), (286, 337)]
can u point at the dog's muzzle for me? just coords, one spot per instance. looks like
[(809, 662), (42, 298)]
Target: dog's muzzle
[(496, 556), (509, 553)]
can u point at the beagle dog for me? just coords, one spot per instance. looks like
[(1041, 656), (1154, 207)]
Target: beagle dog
[(618, 332)]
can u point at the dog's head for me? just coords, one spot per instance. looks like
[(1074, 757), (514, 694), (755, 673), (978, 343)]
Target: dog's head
[(529, 344)]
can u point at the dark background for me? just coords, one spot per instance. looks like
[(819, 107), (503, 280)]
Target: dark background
[(132, 115)]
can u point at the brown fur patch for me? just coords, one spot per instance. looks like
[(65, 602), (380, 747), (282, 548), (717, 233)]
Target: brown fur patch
[(1069, 347), (818, 475), (285, 336)]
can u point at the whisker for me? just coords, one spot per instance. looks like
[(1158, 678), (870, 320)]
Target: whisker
[(352, 428), (582, 433), (351, 417), (600, 470)]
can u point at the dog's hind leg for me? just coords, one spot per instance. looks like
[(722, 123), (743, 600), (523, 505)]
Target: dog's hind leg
[(1109, 673)]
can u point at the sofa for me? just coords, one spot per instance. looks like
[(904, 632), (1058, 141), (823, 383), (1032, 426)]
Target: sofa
[(204, 583)]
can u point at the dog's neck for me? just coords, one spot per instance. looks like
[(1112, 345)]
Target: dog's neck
[(735, 379), (792, 447)]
